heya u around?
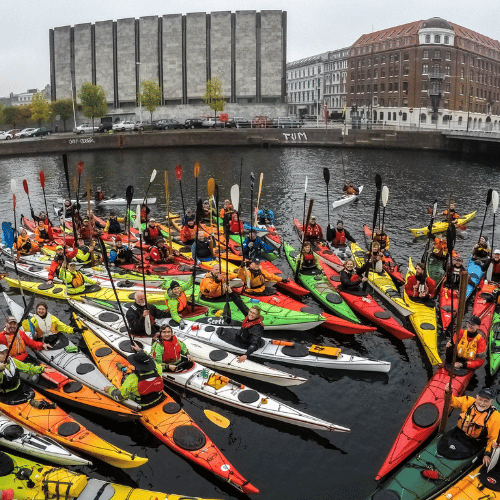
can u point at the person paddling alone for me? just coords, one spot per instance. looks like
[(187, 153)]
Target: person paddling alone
[(419, 287)]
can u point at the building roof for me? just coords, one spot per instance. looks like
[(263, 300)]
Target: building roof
[(476, 37), (437, 22), (308, 60), (382, 35)]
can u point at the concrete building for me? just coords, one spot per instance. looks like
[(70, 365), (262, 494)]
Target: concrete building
[(430, 73), (246, 50)]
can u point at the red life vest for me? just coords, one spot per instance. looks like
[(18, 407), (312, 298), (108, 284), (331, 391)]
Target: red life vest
[(183, 302), (314, 231), (248, 324), (171, 350), (153, 233), (339, 238), (495, 267)]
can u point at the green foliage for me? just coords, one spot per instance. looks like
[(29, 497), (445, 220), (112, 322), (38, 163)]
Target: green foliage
[(63, 108), (11, 116), (150, 95), (40, 108), (93, 100), (213, 95), (24, 115)]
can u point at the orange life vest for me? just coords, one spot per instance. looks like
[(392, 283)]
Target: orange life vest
[(77, 281), (339, 238), (19, 346), (468, 350), (473, 422), (183, 302)]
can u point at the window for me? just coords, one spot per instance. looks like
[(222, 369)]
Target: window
[(448, 55), (382, 59), (394, 116), (382, 87), (395, 86), (352, 89), (405, 116), (396, 57), (396, 70), (375, 73), (427, 38), (391, 71), (425, 54), (446, 40), (390, 87), (382, 72), (406, 69), (447, 70), (375, 60), (389, 115), (405, 86), (447, 87), (437, 38), (423, 117), (406, 56), (462, 73), (425, 69), (437, 54), (369, 73), (460, 120), (375, 87), (381, 114), (463, 59), (391, 58), (462, 89)]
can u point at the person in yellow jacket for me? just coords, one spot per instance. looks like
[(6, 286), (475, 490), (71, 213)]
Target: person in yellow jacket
[(254, 278), (74, 280), (214, 284), (44, 326), (25, 245)]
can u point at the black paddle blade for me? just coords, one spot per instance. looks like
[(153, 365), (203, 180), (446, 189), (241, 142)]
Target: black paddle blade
[(378, 182), (129, 194), (329, 233), (216, 191), (252, 180), (104, 253), (451, 237), (489, 196), (199, 205), (227, 313), (326, 175)]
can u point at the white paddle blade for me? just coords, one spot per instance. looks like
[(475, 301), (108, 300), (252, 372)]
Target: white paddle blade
[(153, 175), (434, 209), (305, 187), (235, 196), (147, 325), (385, 196), (137, 221), (13, 186), (494, 201), (494, 457)]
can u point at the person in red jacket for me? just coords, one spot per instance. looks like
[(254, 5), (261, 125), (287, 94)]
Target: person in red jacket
[(234, 227), (160, 254), (471, 346), (420, 287), (314, 231), (152, 232), (188, 232), (18, 350), (58, 260), (43, 233)]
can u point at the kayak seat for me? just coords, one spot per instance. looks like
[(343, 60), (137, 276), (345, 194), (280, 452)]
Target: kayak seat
[(495, 348), (92, 289), (425, 415), (189, 438), (125, 284), (108, 317), (382, 314), (295, 351), (59, 342), (334, 298), (335, 277), (126, 346), (96, 489), (103, 351), (248, 396), (447, 308), (456, 445), (217, 355), (19, 396), (12, 432), (85, 368), (72, 387), (68, 429), (6, 464), (386, 495), (171, 408), (491, 480), (307, 309), (427, 326)]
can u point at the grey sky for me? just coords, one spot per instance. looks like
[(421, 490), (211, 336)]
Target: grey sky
[(314, 26)]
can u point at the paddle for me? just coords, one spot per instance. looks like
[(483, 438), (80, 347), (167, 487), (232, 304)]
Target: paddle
[(42, 183), (252, 185), (297, 269), (326, 176), (66, 173), (89, 210), (178, 175), (79, 169), (151, 179), (305, 199), (199, 208), (13, 188), (378, 184), (27, 309), (226, 313), (495, 455), (138, 226), (489, 196), (210, 191), (129, 194), (343, 167), (167, 196), (216, 190), (27, 191), (258, 199), (385, 199), (8, 238), (425, 256), (494, 199), (235, 200)]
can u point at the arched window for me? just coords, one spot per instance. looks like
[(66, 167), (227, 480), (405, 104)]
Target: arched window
[(423, 118)]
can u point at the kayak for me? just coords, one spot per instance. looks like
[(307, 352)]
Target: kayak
[(320, 288), (447, 298), (424, 417), (424, 322), (205, 382), (475, 274), (382, 284), (366, 306), (347, 199), (494, 344), (114, 201), (167, 421), (441, 226), (201, 353), (444, 454), (55, 423), (36, 259), (22, 440), (223, 337), (40, 482)]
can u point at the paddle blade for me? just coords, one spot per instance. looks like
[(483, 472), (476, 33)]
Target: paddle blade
[(178, 172), (488, 196), (235, 196), (7, 234), (305, 187), (79, 167), (42, 179), (210, 187), (494, 199), (66, 172), (129, 194), (14, 202), (217, 419), (226, 314), (494, 459), (217, 197), (326, 175), (74, 184), (378, 182), (147, 325), (385, 196), (137, 221), (13, 186), (434, 208), (252, 180), (153, 175), (451, 236), (25, 186), (196, 169)]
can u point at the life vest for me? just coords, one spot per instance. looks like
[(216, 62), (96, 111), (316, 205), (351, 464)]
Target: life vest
[(468, 350), (254, 279), (451, 215), (99, 196), (473, 422), (339, 237), (247, 324), (171, 350), (45, 326), (144, 215), (152, 233), (43, 233), (114, 226), (202, 248), (308, 260), (149, 383), (77, 279), (210, 288), (495, 267), (314, 231), (188, 233), (440, 248), (162, 253), (19, 346), (354, 277), (382, 239), (482, 252), (234, 227), (183, 302), (10, 380)]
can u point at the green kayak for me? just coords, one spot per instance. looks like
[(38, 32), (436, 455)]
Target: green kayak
[(494, 344), (435, 268), (321, 289)]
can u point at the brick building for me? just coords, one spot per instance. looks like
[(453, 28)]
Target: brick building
[(425, 73)]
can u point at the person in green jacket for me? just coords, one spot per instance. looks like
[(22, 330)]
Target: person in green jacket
[(144, 384), (74, 280), (168, 351), (176, 298), (84, 253)]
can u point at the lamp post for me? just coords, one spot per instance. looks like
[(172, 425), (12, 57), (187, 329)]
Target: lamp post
[(138, 64)]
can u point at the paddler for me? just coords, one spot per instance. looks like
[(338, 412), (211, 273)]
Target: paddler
[(340, 235), (18, 350), (495, 266), (188, 215), (204, 213), (250, 335), (61, 254), (113, 224), (253, 246), (374, 260), (152, 232), (314, 231), (380, 236), (75, 281), (98, 196), (471, 347), (90, 228), (479, 422), (43, 233), (42, 216), (176, 298), (451, 215), (226, 209), (481, 250), (265, 217), (254, 278), (350, 280), (308, 262), (188, 232), (25, 245), (145, 210), (144, 384), (214, 284), (137, 313), (120, 253), (44, 326), (440, 249), (84, 254), (160, 254), (350, 189), (235, 227), (168, 351), (453, 275), (202, 248), (419, 287), (67, 208)]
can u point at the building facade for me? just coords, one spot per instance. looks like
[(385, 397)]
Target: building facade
[(425, 73), (335, 74), (246, 50)]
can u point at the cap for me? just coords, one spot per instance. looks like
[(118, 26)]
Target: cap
[(152, 220), (497, 250), (3, 347), (474, 320), (255, 260), (11, 319), (486, 393), (173, 284), (312, 217), (118, 238), (72, 263), (59, 247), (86, 219), (160, 240)]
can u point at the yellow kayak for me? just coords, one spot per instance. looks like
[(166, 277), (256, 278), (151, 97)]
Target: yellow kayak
[(439, 227), (58, 291), (382, 283), (424, 323)]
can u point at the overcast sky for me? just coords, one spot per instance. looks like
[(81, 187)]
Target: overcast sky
[(314, 26)]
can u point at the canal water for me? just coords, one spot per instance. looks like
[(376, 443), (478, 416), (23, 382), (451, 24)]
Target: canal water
[(281, 460)]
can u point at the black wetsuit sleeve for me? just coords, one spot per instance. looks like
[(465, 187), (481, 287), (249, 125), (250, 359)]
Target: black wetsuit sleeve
[(158, 313), (346, 282), (135, 321), (255, 332), (348, 236)]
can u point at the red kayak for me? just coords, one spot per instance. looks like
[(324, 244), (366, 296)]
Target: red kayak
[(484, 306), (366, 306), (445, 298), (424, 417), (292, 288), (57, 234)]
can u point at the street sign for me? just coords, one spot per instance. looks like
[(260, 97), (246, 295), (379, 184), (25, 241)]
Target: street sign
[(411, 110)]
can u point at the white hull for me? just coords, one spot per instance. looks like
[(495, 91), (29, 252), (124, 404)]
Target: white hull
[(347, 199), (113, 201)]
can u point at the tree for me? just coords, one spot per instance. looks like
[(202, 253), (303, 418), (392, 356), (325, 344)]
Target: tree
[(24, 114), (11, 115), (213, 95), (40, 108), (63, 108), (150, 95), (93, 100)]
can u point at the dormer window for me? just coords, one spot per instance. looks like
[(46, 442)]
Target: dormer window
[(427, 38), (437, 38), (446, 40)]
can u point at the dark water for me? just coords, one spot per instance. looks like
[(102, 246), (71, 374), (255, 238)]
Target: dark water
[(281, 460)]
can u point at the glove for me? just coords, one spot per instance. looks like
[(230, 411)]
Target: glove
[(182, 324), (285, 280)]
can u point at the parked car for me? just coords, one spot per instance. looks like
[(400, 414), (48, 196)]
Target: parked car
[(3, 135), (262, 121), (168, 123), (242, 122), (24, 133), (84, 128), (11, 133), (212, 122), (39, 132), (287, 122), (122, 126), (193, 123), (144, 126)]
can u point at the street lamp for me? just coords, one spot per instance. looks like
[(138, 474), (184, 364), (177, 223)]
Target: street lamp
[(138, 64)]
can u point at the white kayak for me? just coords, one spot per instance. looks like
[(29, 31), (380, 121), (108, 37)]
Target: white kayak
[(347, 199), (36, 259), (224, 338), (113, 201), (199, 380), (66, 358), (202, 353), (20, 439)]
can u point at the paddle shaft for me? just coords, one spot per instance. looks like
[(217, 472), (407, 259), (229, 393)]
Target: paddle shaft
[(27, 309), (66, 173), (304, 232), (182, 200), (218, 227), (258, 199), (42, 183), (25, 185), (488, 201), (343, 167), (425, 256), (167, 196)]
